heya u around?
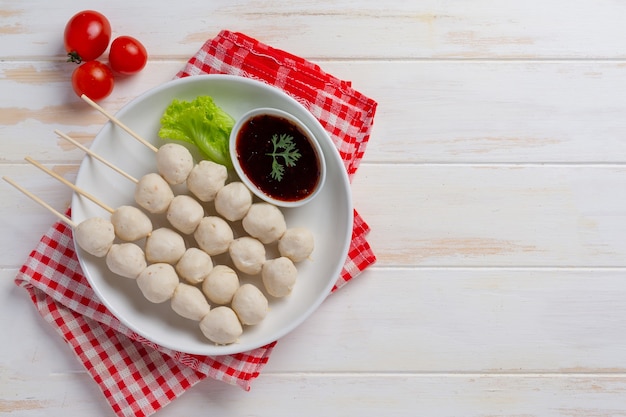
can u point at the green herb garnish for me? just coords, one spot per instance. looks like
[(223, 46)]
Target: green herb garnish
[(289, 153)]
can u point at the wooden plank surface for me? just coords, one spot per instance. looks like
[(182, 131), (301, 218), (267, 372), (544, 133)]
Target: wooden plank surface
[(433, 29), (494, 184)]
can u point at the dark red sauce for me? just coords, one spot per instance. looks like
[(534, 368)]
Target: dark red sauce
[(254, 144)]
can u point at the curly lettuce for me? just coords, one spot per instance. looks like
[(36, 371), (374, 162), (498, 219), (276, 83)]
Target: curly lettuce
[(202, 123)]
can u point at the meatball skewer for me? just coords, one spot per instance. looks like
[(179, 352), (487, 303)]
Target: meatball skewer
[(158, 282), (152, 192), (174, 161), (130, 223), (94, 235)]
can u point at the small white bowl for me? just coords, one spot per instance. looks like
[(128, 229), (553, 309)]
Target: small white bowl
[(298, 187)]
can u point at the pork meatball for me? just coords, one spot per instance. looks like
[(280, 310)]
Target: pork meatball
[(164, 245), (206, 179), (233, 201), (248, 254), (250, 304), (153, 193), (185, 213), (279, 276), (221, 284), (194, 266), (189, 302), (265, 222), (213, 235), (174, 162), (95, 236), (158, 282), (221, 326), (126, 259), (297, 244), (130, 223)]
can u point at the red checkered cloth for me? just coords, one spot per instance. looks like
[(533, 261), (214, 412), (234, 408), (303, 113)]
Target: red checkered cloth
[(136, 376)]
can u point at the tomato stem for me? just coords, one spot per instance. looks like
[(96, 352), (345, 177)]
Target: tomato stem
[(74, 57)]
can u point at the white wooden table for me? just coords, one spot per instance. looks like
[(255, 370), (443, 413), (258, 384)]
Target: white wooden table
[(494, 182)]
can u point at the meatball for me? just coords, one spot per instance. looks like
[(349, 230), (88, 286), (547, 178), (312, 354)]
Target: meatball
[(158, 282), (213, 235), (174, 162), (194, 266), (165, 245), (95, 236), (233, 201), (296, 244), (265, 222), (185, 213), (189, 302), (126, 259), (153, 193), (221, 284), (248, 254), (279, 276), (130, 223), (250, 304), (221, 326), (206, 179)]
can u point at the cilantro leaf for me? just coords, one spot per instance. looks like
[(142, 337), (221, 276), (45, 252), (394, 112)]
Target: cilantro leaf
[(289, 155)]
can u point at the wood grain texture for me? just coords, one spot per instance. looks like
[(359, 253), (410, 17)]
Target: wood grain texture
[(494, 215), (493, 182), (449, 29)]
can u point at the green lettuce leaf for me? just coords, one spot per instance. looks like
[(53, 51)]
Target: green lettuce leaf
[(202, 123)]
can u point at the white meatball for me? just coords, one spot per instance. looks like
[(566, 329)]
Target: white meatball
[(248, 254), (279, 276), (233, 201), (95, 236), (153, 193), (206, 179), (189, 302), (165, 245), (126, 259), (130, 223), (221, 326), (174, 162), (185, 213), (265, 222), (297, 244), (194, 266), (158, 282), (213, 235), (250, 304), (221, 284)]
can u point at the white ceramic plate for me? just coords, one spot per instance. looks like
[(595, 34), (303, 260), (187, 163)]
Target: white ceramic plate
[(329, 215)]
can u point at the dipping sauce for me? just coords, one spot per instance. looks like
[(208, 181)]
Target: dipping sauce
[(257, 154)]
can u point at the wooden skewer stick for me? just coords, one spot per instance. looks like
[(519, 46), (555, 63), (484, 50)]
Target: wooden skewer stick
[(95, 155), (38, 200), (119, 123), (70, 184)]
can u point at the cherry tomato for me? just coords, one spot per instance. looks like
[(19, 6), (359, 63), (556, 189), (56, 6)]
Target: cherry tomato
[(87, 36), (94, 79), (127, 55)]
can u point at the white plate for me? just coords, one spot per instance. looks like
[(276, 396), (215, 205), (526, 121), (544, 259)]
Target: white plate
[(329, 215)]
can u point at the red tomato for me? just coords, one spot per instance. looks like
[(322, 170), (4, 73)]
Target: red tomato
[(87, 36), (93, 79), (127, 55)]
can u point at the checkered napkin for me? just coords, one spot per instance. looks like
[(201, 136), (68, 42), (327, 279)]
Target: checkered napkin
[(136, 376)]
